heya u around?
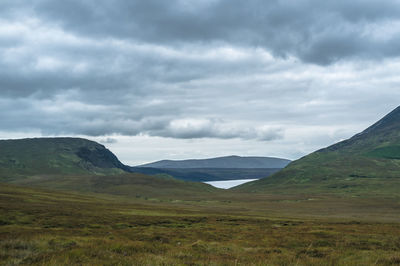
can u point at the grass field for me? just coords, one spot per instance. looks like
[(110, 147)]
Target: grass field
[(43, 227)]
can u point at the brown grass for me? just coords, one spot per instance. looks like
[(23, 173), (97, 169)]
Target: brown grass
[(41, 227)]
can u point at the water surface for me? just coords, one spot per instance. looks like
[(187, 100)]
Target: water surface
[(229, 183)]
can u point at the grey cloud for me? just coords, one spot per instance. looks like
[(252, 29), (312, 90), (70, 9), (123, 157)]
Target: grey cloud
[(52, 119), (214, 128), (304, 29), (219, 69), (108, 141), (48, 67), (11, 8)]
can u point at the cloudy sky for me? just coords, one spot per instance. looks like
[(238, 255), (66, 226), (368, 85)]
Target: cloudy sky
[(156, 79)]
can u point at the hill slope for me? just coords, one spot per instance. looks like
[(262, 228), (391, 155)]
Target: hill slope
[(24, 157), (82, 165), (365, 164), (222, 162), (128, 184)]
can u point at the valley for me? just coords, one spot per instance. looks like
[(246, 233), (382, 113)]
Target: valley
[(197, 133), (67, 201)]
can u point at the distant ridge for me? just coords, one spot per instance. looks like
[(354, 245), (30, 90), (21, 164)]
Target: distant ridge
[(215, 169), (221, 162)]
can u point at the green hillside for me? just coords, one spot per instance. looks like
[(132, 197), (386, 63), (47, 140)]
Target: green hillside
[(27, 157), (128, 184), (366, 164), (81, 165)]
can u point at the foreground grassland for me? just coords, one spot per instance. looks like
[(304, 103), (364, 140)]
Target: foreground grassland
[(43, 227)]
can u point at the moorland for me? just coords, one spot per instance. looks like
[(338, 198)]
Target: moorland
[(67, 201)]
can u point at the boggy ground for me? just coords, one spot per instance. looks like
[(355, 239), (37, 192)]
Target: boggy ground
[(43, 227)]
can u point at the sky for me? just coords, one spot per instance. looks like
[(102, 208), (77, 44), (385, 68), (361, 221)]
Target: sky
[(179, 79)]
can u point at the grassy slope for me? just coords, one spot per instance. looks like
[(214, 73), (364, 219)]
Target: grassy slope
[(128, 184), (81, 165), (364, 165), (42, 227), (27, 157)]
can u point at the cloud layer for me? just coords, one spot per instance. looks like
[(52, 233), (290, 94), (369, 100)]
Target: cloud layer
[(222, 69), (314, 31)]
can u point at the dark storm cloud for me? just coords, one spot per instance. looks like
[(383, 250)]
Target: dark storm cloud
[(315, 31)]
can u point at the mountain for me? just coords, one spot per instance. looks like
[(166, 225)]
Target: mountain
[(215, 169), (82, 165), (222, 162), (366, 164), (25, 157)]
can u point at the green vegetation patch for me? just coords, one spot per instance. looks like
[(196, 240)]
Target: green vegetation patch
[(390, 152)]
